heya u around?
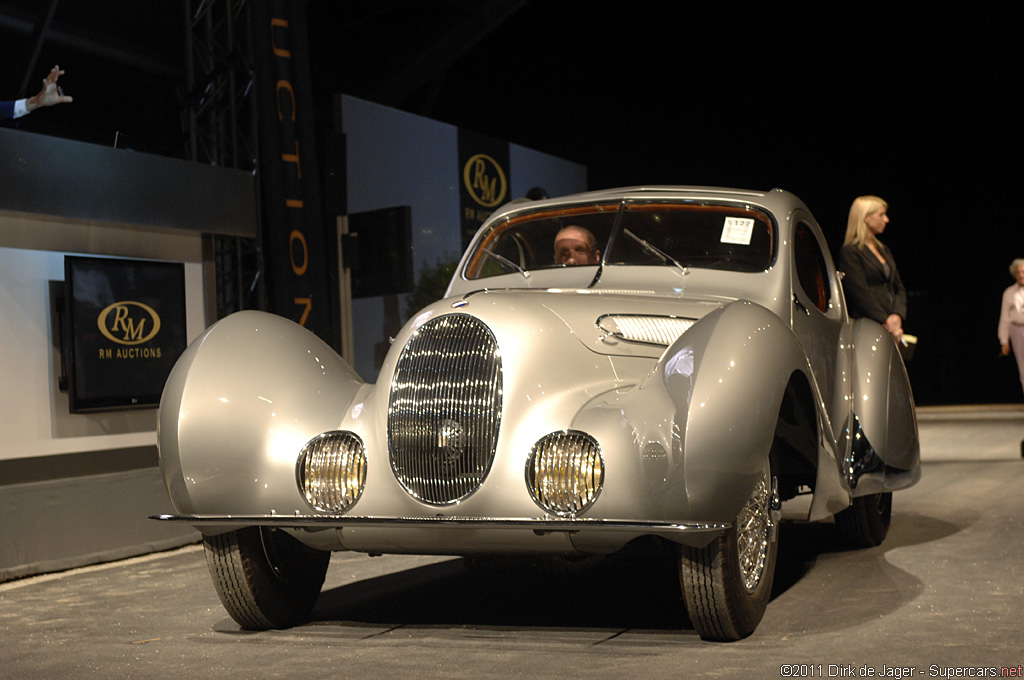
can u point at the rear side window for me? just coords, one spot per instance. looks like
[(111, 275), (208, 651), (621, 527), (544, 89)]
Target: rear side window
[(811, 270)]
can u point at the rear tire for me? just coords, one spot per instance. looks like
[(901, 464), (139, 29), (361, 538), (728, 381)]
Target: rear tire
[(727, 583), (264, 577), (865, 523)]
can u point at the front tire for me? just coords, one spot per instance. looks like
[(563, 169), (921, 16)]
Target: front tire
[(865, 523), (264, 577), (727, 583)]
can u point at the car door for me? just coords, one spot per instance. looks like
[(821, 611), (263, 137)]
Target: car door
[(819, 320)]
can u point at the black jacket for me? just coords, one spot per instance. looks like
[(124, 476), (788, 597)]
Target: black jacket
[(870, 292)]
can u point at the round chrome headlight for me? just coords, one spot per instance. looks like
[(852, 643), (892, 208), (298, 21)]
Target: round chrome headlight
[(332, 471), (565, 472)]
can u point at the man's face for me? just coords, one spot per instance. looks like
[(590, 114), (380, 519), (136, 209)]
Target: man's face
[(1019, 274), (572, 247)]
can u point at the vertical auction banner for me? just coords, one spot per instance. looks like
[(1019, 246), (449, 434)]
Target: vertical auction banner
[(293, 240), (483, 181)]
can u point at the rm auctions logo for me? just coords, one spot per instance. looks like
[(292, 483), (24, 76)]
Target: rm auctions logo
[(129, 322), (485, 180)]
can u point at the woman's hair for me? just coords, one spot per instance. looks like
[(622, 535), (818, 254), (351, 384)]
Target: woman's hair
[(856, 228), (1013, 266)]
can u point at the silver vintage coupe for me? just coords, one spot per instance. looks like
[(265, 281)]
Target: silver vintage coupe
[(660, 366)]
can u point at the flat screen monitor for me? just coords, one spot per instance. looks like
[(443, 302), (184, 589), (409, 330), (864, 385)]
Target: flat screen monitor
[(124, 327)]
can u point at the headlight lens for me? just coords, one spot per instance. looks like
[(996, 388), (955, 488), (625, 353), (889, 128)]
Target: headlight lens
[(565, 472), (332, 471)]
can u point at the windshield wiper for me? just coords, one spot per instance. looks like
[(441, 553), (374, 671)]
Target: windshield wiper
[(506, 261), (657, 252)]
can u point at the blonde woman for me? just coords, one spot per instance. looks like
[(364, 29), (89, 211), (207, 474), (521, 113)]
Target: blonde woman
[(872, 283)]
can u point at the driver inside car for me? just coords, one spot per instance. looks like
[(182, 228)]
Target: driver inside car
[(575, 245)]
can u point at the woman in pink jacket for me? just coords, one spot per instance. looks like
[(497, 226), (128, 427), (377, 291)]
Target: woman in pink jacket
[(1011, 317)]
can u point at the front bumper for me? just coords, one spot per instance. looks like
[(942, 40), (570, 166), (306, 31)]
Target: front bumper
[(462, 535)]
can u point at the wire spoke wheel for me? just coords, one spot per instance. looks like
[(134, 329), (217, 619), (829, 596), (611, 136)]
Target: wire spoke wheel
[(753, 535)]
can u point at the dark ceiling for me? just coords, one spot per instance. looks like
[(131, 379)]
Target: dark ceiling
[(737, 93), (125, 59)]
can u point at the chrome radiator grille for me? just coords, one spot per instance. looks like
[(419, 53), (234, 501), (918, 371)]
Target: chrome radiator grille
[(445, 409)]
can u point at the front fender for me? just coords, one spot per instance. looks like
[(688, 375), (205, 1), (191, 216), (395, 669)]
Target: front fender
[(703, 421), (238, 407)]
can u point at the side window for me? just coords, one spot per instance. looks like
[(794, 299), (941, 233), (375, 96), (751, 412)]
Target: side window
[(810, 267)]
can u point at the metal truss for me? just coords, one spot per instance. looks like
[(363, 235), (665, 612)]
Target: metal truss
[(220, 120)]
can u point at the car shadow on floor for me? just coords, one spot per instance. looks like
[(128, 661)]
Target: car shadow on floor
[(626, 591), (801, 544), (615, 594)]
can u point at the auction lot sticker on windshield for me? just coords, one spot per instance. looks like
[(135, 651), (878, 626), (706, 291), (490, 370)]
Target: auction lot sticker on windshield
[(737, 230)]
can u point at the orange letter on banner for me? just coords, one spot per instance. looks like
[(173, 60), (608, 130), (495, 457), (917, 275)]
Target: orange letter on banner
[(308, 302), (285, 85), (296, 235), (289, 158), (282, 23)]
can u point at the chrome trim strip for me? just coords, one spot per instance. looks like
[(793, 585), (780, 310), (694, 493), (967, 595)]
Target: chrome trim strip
[(533, 524)]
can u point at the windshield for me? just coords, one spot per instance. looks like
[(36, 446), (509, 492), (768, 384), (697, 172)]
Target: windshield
[(681, 235)]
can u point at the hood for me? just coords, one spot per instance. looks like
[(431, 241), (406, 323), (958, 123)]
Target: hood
[(589, 315)]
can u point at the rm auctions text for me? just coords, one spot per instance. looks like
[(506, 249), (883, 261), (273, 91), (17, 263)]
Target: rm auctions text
[(832, 670)]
